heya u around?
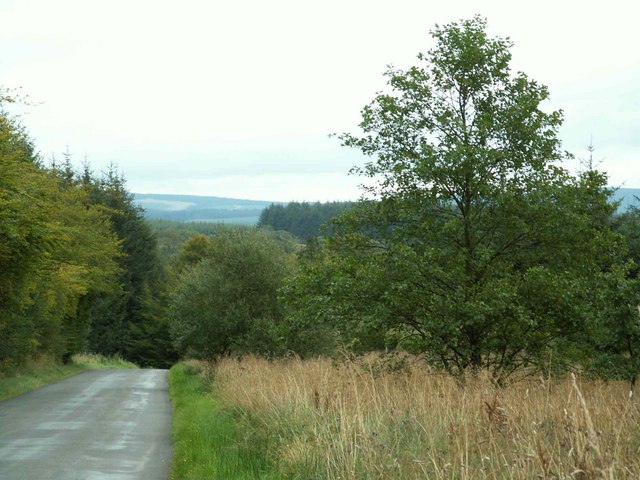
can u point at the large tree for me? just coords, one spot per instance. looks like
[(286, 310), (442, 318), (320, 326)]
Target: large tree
[(56, 249), (476, 248), (225, 300), (131, 322)]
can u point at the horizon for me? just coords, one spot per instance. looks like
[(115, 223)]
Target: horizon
[(238, 100), (287, 201)]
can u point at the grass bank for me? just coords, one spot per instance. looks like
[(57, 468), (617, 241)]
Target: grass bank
[(368, 419), (35, 374), (208, 441)]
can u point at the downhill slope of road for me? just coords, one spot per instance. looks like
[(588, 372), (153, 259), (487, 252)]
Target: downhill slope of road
[(98, 425)]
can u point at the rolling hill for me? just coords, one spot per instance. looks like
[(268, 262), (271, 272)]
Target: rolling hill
[(627, 197), (194, 208)]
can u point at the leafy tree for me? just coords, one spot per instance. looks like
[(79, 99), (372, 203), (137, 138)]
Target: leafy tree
[(226, 298), (326, 303), (616, 341), (628, 224), (55, 249), (477, 249), (616, 344), (192, 251)]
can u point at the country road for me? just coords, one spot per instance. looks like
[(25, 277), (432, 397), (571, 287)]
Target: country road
[(98, 425)]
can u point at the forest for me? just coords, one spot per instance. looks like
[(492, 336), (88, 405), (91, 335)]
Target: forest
[(473, 248), (302, 219), (80, 264), (475, 314)]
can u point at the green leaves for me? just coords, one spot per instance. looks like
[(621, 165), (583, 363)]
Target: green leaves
[(225, 299), (478, 243), (55, 248)]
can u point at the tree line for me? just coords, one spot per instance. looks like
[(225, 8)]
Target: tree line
[(472, 246), (302, 219), (79, 263)]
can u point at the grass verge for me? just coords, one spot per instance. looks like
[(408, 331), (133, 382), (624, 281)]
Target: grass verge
[(95, 361), (208, 442), (35, 374), (367, 418)]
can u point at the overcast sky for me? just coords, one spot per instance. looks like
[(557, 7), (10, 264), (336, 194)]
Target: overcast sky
[(237, 98)]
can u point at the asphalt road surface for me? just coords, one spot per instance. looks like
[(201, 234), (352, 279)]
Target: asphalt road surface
[(98, 425)]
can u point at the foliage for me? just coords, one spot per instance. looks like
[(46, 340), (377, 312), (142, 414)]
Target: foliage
[(131, 322), (56, 248), (628, 224), (477, 249), (617, 342), (208, 442), (302, 219), (226, 296), (171, 234), (324, 312), (79, 263)]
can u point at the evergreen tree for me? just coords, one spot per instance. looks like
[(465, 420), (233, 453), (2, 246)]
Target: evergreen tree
[(302, 219), (123, 323)]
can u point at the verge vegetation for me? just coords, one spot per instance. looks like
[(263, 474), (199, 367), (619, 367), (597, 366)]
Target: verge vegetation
[(208, 443), (371, 419), (35, 374)]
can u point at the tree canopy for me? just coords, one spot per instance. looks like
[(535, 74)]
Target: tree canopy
[(476, 247), (302, 219), (79, 262), (56, 248), (225, 300)]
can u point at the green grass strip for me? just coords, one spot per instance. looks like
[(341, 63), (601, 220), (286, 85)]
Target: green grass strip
[(37, 374), (32, 378), (208, 443)]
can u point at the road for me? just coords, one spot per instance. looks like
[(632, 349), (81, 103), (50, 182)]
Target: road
[(98, 425)]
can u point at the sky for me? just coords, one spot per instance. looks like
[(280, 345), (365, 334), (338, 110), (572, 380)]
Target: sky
[(238, 98)]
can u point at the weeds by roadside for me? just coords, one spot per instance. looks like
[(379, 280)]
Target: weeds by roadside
[(356, 420), (93, 360), (207, 441), (36, 373)]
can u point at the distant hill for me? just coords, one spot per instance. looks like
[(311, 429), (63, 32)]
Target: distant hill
[(194, 208), (627, 197)]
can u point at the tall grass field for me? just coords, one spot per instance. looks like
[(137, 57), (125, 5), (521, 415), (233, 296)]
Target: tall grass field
[(367, 419)]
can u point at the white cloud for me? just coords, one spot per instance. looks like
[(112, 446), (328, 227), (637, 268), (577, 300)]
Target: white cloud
[(172, 86)]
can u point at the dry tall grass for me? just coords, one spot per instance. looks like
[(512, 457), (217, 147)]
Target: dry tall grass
[(360, 420)]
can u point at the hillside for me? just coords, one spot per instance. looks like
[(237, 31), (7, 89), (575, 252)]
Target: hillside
[(193, 208), (626, 197)]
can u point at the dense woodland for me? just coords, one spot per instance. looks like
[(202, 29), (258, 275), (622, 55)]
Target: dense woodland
[(302, 219), (79, 262), (475, 249)]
